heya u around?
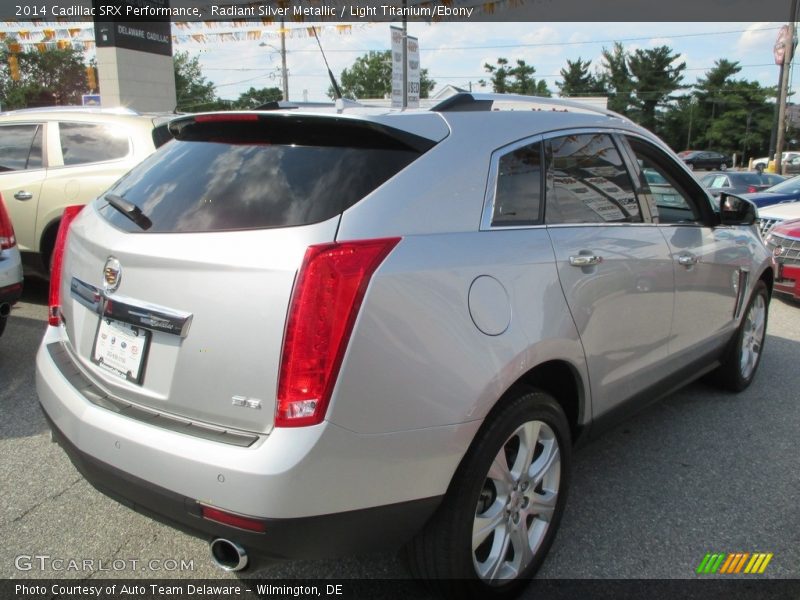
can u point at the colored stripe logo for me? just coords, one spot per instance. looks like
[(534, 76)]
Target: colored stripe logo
[(734, 563)]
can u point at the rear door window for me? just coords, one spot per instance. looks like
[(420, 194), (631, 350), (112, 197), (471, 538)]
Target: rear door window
[(83, 143), (232, 176), (587, 182), (20, 147)]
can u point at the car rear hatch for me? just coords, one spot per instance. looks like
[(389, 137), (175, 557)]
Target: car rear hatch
[(176, 283)]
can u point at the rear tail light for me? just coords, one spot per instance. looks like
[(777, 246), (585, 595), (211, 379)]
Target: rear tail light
[(7, 239), (56, 261), (327, 297), (751, 189), (232, 519)]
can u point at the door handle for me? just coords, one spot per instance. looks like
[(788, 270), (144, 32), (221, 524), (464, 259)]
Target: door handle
[(687, 260), (23, 195), (585, 260)]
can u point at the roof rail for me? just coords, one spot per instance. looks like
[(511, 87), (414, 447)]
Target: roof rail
[(117, 110), (469, 102)]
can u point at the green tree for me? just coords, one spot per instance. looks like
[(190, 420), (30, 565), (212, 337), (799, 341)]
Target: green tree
[(617, 79), (734, 115), (519, 79), (656, 77), (253, 98), (193, 91), (370, 76), (578, 81), (55, 76)]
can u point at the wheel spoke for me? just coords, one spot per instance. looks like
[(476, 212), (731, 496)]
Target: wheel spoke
[(500, 474), (542, 505), (528, 439), (549, 459), (522, 547), (490, 569), (486, 523)]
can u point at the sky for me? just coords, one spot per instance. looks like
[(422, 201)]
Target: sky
[(454, 53)]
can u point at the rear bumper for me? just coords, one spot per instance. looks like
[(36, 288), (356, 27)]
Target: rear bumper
[(311, 537), (10, 293), (322, 490), (10, 276)]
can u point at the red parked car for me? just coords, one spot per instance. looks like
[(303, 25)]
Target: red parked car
[(784, 243)]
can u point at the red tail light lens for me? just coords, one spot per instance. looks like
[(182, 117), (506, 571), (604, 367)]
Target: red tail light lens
[(221, 516), (56, 261), (751, 189), (327, 297), (7, 239)]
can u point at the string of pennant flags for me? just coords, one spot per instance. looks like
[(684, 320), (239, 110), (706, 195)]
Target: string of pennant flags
[(81, 37)]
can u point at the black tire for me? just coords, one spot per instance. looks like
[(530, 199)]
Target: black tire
[(723, 166), (735, 373), (3, 324), (443, 552)]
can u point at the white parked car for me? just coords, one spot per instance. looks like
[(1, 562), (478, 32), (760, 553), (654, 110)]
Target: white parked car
[(770, 216), (56, 157), (763, 162)]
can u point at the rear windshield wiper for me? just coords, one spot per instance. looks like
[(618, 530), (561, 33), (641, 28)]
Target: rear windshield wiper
[(133, 212)]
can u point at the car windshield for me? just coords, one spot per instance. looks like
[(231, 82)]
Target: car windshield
[(790, 186)]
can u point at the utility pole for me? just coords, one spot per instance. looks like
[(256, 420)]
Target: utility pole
[(787, 61), (284, 71), (405, 56)]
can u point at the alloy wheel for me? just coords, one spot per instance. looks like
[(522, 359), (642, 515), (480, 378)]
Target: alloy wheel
[(517, 503)]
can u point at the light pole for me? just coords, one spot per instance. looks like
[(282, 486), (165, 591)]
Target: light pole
[(284, 70)]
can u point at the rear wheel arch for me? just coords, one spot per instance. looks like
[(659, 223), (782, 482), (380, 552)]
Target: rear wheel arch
[(48, 242)]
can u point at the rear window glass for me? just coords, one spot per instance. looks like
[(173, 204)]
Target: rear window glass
[(83, 143), (232, 183)]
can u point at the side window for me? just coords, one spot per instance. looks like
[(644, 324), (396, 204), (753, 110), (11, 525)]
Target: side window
[(19, 148), (518, 195), (83, 143), (719, 181), (670, 201), (587, 182)]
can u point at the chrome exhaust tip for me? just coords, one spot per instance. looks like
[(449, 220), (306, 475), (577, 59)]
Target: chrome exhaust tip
[(228, 555)]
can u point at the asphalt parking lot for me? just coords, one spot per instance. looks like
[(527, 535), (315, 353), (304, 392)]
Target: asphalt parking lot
[(701, 471)]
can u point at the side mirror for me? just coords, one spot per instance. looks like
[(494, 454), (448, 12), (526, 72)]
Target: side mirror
[(734, 210)]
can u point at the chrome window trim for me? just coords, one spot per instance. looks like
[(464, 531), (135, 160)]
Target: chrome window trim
[(497, 154)]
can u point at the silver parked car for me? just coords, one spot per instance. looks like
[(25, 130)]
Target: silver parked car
[(308, 334), (10, 267)]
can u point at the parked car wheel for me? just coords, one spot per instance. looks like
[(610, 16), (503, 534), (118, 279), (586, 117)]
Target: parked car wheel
[(723, 166), (501, 513), (742, 360)]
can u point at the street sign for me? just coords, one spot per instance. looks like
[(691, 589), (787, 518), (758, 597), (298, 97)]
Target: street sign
[(412, 55), (782, 42), (91, 99)]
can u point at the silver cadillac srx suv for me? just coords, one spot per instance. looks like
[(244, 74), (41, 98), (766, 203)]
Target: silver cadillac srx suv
[(306, 334)]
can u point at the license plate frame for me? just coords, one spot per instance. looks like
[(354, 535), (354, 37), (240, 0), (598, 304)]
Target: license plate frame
[(121, 349)]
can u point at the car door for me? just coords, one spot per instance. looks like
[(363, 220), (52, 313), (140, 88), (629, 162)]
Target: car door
[(87, 158), (22, 171), (709, 260), (613, 263)]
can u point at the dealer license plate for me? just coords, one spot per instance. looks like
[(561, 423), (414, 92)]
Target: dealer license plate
[(121, 349)]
